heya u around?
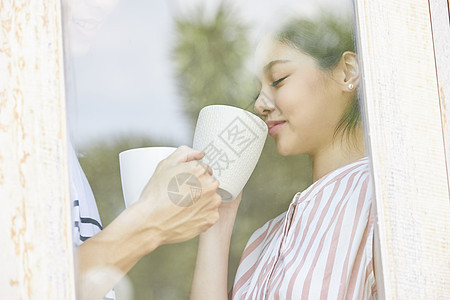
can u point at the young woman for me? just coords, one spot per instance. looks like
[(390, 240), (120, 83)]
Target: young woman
[(321, 247)]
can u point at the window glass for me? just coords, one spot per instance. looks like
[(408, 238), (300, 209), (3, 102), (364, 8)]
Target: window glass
[(138, 73)]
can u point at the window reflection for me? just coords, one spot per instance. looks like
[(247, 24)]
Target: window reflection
[(140, 71)]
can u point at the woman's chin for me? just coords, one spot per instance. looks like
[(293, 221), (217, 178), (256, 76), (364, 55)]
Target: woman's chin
[(287, 150), (282, 149)]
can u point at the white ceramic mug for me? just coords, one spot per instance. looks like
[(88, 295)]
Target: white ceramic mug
[(137, 167), (232, 139)]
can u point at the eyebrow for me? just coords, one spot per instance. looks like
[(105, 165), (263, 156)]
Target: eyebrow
[(274, 62)]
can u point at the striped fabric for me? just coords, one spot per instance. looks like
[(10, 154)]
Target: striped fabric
[(321, 248), (86, 220), (85, 217)]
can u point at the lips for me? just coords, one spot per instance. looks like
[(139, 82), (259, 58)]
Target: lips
[(274, 126)]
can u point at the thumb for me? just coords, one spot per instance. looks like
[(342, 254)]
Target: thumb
[(185, 154)]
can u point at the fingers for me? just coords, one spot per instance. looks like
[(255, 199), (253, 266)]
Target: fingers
[(205, 166), (196, 167), (185, 154), (195, 155)]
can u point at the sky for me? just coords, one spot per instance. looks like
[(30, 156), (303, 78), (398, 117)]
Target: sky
[(125, 84)]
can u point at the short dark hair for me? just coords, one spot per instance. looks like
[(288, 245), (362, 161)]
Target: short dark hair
[(325, 39)]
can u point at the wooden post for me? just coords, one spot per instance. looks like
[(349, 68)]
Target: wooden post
[(441, 43), (406, 144), (36, 250)]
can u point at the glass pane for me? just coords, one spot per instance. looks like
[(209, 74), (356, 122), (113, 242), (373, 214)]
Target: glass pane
[(138, 73)]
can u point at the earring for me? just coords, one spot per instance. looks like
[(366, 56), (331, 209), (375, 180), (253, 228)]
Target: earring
[(351, 86)]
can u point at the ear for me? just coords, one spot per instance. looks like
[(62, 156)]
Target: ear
[(347, 71)]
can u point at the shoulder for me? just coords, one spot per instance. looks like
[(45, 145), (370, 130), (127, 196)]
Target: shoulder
[(349, 196), (362, 187), (342, 181), (359, 169), (355, 180)]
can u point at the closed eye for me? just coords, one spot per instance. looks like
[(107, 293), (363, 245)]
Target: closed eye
[(276, 82)]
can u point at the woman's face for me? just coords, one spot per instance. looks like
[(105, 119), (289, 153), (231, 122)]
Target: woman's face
[(83, 19), (299, 102)]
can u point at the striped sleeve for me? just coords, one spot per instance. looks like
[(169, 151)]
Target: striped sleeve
[(85, 216)]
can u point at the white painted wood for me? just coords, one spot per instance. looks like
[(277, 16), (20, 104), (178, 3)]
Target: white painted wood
[(36, 250), (406, 146), (441, 41)]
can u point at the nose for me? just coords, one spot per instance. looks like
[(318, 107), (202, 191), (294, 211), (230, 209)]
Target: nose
[(264, 104)]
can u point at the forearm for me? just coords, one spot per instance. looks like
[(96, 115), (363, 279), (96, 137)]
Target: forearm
[(105, 258), (211, 270)]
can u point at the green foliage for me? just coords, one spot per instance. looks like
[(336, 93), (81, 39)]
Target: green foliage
[(210, 57)]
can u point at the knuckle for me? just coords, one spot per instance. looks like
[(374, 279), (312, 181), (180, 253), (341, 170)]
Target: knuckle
[(216, 184), (212, 187), (190, 166), (200, 169), (206, 167), (161, 165)]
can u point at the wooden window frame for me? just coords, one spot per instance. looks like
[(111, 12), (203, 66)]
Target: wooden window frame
[(36, 252), (405, 76), (403, 46)]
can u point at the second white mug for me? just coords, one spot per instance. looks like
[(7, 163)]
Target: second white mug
[(137, 167)]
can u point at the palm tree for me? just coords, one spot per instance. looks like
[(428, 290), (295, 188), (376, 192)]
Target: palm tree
[(210, 57)]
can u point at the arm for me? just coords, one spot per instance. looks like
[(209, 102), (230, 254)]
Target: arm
[(152, 221), (106, 257), (211, 270)]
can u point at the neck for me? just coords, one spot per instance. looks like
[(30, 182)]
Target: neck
[(340, 153)]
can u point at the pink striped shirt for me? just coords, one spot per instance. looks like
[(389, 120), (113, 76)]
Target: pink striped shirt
[(321, 248)]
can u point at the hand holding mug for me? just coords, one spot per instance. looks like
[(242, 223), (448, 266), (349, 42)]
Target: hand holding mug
[(182, 195)]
